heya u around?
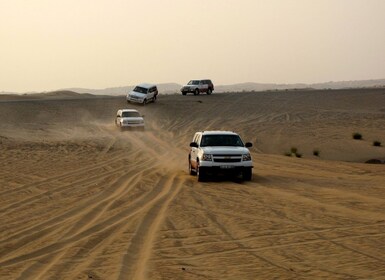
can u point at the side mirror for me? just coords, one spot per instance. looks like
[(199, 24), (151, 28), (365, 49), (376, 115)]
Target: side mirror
[(194, 145), (248, 145)]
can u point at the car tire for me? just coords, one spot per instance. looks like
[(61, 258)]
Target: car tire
[(191, 171), (209, 91), (201, 174), (196, 92), (247, 174), (183, 93), (144, 102)]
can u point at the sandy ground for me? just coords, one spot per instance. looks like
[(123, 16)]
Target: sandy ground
[(81, 200)]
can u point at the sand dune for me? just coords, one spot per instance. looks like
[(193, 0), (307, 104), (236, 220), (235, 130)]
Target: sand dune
[(79, 199)]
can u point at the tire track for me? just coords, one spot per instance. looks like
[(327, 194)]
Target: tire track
[(139, 252)]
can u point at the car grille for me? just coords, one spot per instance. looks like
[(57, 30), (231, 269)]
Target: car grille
[(132, 122), (227, 158)]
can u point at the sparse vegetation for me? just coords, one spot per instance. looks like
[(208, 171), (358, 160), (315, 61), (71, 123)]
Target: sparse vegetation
[(377, 143), (316, 153), (293, 152), (357, 136)]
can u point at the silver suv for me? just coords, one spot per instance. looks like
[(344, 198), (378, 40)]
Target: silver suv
[(129, 119), (198, 86), (143, 94), (219, 152)]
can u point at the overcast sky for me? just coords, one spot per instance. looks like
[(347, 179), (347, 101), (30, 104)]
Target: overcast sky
[(53, 44)]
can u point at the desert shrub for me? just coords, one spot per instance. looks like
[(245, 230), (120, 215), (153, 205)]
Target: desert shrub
[(288, 154), (357, 136), (316, 153), (298, 155), (293, 150), (377, 143)]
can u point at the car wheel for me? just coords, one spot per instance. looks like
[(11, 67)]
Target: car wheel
[(196, 92), (144, 101), (247, 174), (190, 169), (200, 173), (209, 91), (183, 93)]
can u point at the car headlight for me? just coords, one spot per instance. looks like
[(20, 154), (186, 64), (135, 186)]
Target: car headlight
[(207, 157), (246, 157)]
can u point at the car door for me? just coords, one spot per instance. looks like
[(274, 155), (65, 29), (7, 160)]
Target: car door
[(203, 86), (151, 93)]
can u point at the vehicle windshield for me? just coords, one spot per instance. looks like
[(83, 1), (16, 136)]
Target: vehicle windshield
[(193, 82), (221, 140), (130, 115), (141, 90)]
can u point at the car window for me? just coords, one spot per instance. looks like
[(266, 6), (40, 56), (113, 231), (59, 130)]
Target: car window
[(140, 89), (193, 82), (130, 114), (221, 140)]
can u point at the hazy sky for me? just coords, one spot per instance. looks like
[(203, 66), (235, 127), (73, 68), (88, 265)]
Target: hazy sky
[(53, 44)]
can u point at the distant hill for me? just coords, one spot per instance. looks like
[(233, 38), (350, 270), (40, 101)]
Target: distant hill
[(171, 88), (60, 94)]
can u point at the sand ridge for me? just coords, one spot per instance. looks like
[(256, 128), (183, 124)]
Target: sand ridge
[(79, 199)]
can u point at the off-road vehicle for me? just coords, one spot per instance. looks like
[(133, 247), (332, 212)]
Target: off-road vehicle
[(219, 152), (143, 94), (129, 118), (198, 86)]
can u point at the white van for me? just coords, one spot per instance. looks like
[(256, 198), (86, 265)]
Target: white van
[(143, 93)]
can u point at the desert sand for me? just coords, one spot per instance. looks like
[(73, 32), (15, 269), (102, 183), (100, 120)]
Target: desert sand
[(80, 199)]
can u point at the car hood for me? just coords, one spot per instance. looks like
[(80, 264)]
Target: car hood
[(225, 150), (137, 94)]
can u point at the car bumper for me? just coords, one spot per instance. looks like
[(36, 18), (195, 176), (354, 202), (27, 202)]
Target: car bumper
[(221, 170), (223, 167), (187, 90), (135, 100)]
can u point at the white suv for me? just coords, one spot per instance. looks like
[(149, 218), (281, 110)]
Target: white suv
[(129, 118), (219, 152), (143, 94)]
